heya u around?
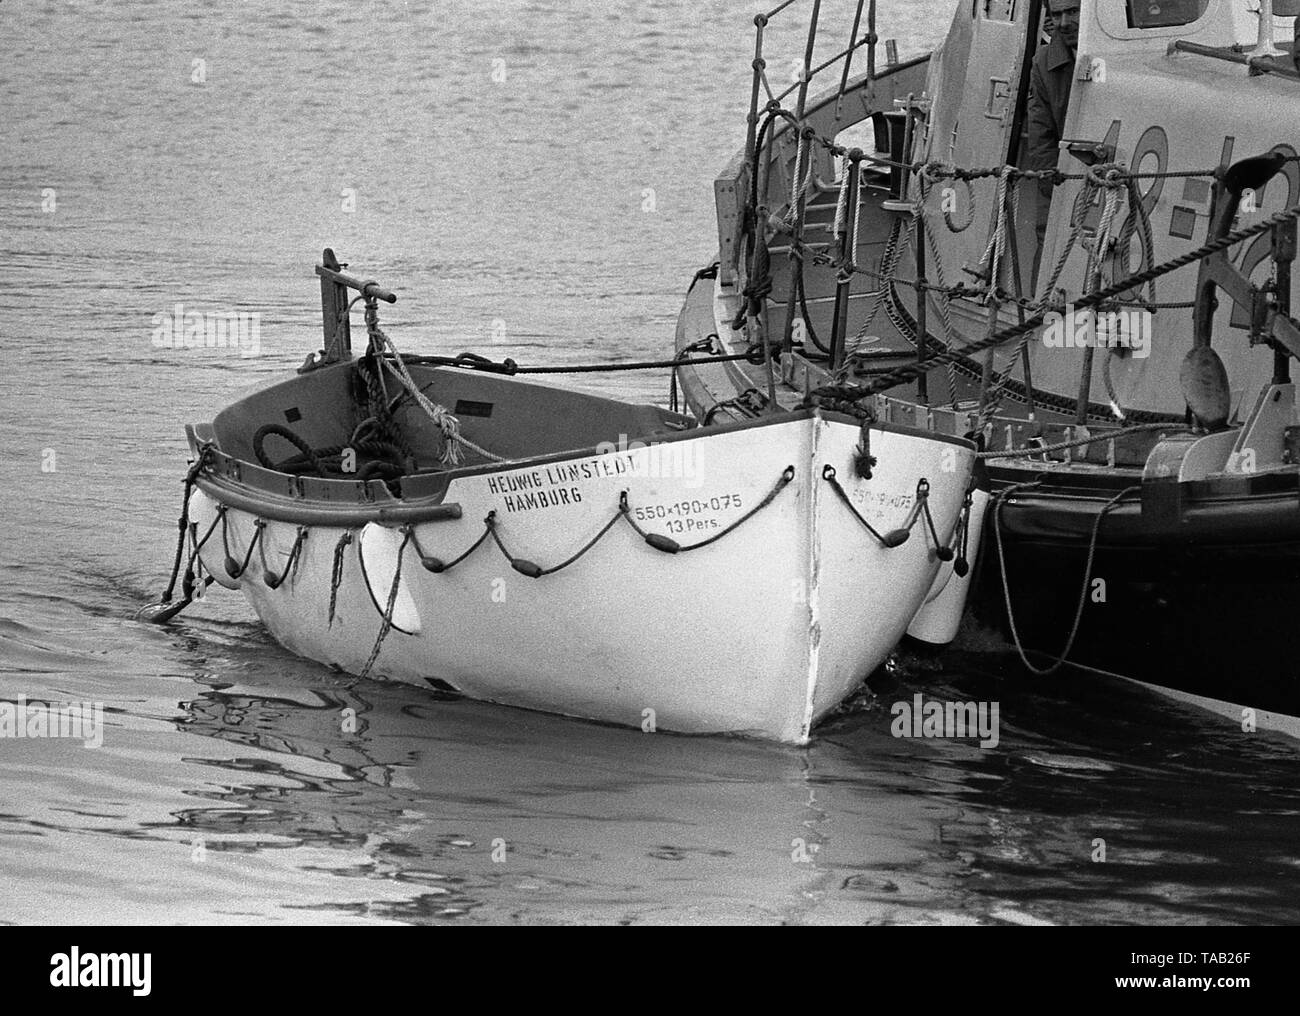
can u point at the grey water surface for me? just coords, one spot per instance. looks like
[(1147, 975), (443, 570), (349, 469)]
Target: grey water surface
[(535, 180)]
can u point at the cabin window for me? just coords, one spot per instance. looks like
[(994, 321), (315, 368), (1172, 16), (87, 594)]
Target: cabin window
[(1164, 13), (999, 10)]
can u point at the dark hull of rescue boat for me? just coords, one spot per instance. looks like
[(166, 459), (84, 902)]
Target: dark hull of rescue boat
[(1200, 597)]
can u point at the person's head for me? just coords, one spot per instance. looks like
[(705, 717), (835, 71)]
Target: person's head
[(1065, 14)]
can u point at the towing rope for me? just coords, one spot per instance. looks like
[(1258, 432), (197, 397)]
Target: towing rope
[(508, 367), (683, 356), (863, 460)]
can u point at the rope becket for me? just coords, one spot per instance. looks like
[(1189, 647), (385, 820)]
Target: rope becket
[(863, 460), (336, 572)]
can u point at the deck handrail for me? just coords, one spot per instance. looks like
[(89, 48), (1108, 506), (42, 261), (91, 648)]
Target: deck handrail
[(1237, 55)]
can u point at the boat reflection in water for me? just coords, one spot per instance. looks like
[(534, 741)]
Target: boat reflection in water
[(441, 809)]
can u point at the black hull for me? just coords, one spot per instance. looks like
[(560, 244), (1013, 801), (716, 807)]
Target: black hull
[(1206, 603)]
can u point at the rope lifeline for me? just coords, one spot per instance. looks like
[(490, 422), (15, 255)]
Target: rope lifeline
[(658, 541), (895, 537)]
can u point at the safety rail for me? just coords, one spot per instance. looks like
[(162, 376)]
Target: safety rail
[(754, 148), (1280, 64), (785, 135)]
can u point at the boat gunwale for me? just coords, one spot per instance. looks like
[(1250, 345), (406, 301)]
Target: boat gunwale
[(246, 486)]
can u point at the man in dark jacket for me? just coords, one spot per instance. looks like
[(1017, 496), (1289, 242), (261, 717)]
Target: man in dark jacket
[(1050, 78)]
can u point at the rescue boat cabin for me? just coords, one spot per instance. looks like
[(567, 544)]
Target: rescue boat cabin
[(1169, 91)]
